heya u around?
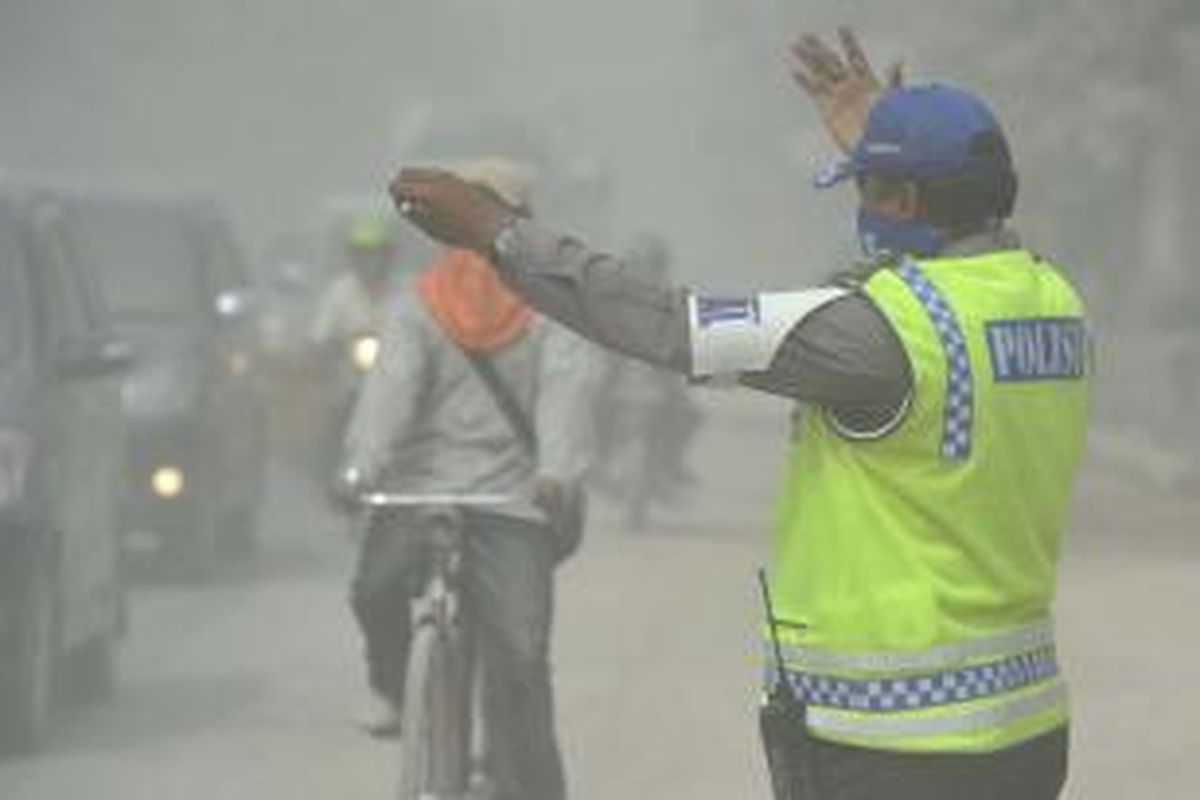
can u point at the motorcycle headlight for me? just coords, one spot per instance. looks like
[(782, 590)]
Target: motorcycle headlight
[(167, 482), (364, 351)]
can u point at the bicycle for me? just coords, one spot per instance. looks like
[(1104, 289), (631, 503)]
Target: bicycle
[(442, 744)]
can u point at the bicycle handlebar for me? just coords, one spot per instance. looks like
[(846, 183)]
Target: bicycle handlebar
[(470, 500)]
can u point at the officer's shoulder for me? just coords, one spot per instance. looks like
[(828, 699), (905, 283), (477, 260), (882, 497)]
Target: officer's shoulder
[(860, 273)]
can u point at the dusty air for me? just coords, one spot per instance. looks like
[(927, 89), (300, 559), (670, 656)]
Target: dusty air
[(532, 400)]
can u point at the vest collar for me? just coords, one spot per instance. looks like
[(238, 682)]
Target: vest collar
[(1001, 237)]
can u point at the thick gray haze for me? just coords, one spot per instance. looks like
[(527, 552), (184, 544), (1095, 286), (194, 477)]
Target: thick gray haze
[(670, 115), (274, 104)]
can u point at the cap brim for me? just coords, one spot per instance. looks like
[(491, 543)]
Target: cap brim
[(833, 174)]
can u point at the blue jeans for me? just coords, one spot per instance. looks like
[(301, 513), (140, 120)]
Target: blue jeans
[(509, 565)]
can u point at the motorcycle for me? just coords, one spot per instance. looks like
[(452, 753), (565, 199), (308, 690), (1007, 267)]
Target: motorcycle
[(347, 366)]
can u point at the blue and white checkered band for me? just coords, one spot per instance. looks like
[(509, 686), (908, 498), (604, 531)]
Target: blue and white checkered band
[(925, 691), (958, 417)]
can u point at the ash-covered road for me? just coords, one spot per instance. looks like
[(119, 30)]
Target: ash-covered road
[(248, 688)]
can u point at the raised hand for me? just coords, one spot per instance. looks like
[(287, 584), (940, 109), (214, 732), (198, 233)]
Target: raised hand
[(843, 87), (448, 208)]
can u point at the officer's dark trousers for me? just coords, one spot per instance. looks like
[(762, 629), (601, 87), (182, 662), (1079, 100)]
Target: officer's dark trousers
[(1033, 770), (510, 585)]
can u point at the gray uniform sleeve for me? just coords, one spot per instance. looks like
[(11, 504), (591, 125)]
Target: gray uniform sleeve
[(845, 356), (597, 296)]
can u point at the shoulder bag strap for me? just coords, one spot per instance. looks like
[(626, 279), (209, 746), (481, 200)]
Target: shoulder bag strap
[(518, 420)]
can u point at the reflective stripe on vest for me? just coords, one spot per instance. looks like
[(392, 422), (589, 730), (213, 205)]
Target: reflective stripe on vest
[(1006, 712), (943, 657)]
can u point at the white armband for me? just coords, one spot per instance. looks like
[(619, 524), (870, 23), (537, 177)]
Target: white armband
[(731, 335)]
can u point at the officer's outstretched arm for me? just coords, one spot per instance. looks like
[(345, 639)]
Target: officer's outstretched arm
[(826, 346), (596, 295)]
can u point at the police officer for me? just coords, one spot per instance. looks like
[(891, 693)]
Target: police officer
[(944, 387)]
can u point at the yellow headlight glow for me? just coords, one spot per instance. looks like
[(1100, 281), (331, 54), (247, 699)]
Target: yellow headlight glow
[(364, 352), (167, 482)]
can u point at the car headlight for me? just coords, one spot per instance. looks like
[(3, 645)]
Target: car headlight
[(364, 352), (167, 482), (15, 449)]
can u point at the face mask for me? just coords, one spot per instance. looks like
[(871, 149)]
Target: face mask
[(879, 235)]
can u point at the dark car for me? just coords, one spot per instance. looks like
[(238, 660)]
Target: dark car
[(177, 287), (61, 451)]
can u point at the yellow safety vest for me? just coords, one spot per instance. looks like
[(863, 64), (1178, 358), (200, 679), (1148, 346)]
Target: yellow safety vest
[(914, 570)]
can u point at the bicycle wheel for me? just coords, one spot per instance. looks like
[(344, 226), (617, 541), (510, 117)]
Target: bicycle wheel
[(436, 734)]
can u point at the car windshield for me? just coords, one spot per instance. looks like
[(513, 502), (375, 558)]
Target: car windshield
[(13, 297), (147, 259)]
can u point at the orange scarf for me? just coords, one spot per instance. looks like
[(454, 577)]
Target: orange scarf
[(470, 303)]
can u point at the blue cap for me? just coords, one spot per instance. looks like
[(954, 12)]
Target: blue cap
[(924, 132)]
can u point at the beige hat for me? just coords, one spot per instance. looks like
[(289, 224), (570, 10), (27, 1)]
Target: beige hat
[(511, 181)]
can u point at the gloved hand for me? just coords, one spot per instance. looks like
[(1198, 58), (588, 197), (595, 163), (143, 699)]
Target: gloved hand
[(449, 209), (843, 88)]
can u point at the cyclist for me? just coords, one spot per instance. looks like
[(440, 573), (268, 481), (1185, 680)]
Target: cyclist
[(944, 388), (343, 335), (427, 422), (349, 305)]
